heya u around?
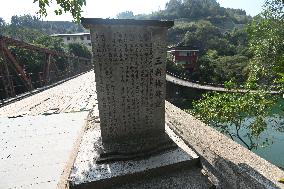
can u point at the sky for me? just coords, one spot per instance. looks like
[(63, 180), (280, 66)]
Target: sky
[(110, 8)]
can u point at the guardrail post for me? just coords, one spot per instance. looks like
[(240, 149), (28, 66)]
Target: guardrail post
[(7, 82)]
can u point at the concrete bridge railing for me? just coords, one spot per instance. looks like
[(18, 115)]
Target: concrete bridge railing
[(228, 164)]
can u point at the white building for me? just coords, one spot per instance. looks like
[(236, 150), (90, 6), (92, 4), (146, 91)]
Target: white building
[(84, 38)]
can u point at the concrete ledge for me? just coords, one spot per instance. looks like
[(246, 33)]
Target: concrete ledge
[(38, 151), (88, 173), (63, 182), (231, 165)]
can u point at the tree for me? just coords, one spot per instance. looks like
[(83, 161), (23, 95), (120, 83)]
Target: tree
[(2, 22), (80, 50), (206, 66), (200, 35), (73, 6), (243, 117), (233, 112), (22, 33), (266, 42), (2, 25), (53, 43), (28, 21), (125, 15)]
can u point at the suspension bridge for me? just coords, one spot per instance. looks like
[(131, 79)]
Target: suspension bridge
[(183, 81)]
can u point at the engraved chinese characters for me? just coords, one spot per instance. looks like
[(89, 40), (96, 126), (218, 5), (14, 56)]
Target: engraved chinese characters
[(130, 76)]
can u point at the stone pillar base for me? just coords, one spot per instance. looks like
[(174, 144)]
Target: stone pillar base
[(91, 170), (133, 149)]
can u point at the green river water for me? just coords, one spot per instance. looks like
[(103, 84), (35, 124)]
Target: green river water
[(274, 150)]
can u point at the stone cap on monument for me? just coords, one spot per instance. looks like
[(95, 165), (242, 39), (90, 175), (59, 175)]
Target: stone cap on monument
[(86, 22)]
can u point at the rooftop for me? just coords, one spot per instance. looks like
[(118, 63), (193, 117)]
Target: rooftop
[(69, 34), (189, 50)]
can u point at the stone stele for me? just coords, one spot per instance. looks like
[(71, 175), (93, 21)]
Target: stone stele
[(130, 68)]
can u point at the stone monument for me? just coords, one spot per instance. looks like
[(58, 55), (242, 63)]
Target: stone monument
[(130, 68), (130, 141)]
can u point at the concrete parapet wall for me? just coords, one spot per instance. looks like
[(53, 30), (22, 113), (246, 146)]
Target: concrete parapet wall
[(229, 164)]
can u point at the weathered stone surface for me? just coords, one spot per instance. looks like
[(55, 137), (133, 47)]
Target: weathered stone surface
[(163, 170), (232, 165), (181, 179), (130, 74)]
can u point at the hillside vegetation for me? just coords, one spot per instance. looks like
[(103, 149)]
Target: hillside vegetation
[(218, 33)]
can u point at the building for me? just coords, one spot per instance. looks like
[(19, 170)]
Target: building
[(184, 56), (83, 38)]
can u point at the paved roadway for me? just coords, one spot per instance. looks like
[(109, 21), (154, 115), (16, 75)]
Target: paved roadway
[(38, 134)]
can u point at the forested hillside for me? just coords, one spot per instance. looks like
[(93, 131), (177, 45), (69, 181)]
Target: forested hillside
[(46, 27), (196, 10), (218, 33)]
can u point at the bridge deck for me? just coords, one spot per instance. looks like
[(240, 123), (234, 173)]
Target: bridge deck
[(35, 148), (185, 83), (74, 95)]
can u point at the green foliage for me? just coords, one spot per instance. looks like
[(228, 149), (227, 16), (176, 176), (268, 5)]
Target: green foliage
[(213, 33), (56, 44), (191, 9), (31, 63), (266, 42), (53, 43), (79, 50), (176, 69), (242, 116), (219, 69), (125, 15), (221, 55), (23, 34), (205, 26), (205, 69), (200, 35), (280, 81), (195, 10), (228, 67), (47, 27), (26, 21), (204, 36), (30, 29), (73, 6), (2, 25)]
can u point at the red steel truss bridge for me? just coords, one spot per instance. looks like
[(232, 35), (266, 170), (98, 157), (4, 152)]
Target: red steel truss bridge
[(16, 78)]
